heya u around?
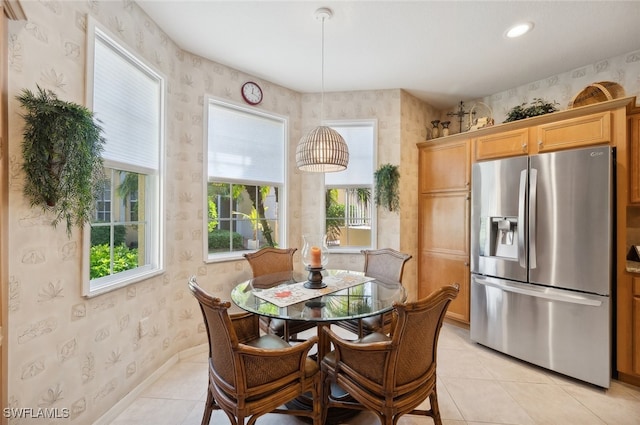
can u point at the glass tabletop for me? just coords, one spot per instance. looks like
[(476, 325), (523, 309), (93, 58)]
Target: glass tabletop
[(361, 300)]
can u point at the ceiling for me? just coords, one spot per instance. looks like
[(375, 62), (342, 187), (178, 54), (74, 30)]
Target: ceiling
[(440, 51)]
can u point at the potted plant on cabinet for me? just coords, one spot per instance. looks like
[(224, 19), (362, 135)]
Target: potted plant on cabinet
[(537, 107), (61, 150)]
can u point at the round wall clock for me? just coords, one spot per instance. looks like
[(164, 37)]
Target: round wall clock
[(251, 93)]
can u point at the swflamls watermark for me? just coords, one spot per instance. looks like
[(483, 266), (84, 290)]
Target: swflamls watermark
[(36, 413)]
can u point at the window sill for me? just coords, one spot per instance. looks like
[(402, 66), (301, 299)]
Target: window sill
[(114, 284), (229, 256)]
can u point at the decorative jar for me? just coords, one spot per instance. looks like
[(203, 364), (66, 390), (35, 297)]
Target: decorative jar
[(445, 128), (435, 130)]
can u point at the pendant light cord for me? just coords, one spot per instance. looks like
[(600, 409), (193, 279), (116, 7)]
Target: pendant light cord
[(322, 75), (323, 149)]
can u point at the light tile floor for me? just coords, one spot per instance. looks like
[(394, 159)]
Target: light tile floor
[(475, 386)]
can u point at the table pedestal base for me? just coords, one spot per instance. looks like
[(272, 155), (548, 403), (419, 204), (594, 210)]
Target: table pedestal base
[(335, 415)]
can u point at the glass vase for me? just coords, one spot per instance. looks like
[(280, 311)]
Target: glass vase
[(315, 256)]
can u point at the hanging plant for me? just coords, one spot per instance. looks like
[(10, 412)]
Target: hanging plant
[(387, 179), (61, 150)]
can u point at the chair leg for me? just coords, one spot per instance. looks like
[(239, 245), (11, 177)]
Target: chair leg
[(324, 397), (386, 420), (435, 409), (318, 404), (208, 408)]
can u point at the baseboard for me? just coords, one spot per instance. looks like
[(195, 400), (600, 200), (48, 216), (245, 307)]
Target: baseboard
[(629, 379), (121, 405), (457, 323)]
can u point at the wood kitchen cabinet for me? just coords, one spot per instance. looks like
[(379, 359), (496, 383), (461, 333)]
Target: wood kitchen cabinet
[(634, 158), (592, 129), (543, 134), (446, 166), (443, 221), (628, 285), (444, 269), (628, 349), (502, 145), (635, 307)]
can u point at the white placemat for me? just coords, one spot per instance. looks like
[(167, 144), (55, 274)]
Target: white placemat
[(293, 293)]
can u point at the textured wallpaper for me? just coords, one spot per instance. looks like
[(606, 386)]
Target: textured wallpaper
[(561, 89), (85, 355)]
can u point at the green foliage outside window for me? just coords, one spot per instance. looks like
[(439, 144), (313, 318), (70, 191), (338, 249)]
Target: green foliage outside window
[(100, 235), (219, 240), (335, 220), (213, 215), (221, 195), (124, 258)]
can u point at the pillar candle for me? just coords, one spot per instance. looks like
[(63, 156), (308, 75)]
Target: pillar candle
[(316, 257)]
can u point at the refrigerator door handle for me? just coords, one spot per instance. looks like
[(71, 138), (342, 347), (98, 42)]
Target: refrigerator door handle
[(545, 294), (521, 217), (533, 202)]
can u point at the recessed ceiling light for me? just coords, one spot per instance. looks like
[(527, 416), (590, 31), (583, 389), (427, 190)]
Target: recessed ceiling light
[(519, 29)]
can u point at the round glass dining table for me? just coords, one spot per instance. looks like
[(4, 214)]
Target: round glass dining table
[(348, 295)]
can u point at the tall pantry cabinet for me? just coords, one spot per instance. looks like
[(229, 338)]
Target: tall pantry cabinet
[(445, 200), (628, 312)]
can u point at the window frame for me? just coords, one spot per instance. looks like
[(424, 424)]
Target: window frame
[(283, 193), (374, 210), (155, 233)]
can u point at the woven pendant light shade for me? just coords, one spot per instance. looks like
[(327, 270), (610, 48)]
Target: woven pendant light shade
[(322, 150)]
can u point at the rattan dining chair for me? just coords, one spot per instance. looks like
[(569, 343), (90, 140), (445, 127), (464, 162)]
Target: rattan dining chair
[(252, 375), (391, 375), (268, 261), (385, 264)]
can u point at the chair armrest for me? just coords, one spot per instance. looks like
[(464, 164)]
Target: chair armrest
[(356, 346), (265, 366), (246, 325), (364, 362)]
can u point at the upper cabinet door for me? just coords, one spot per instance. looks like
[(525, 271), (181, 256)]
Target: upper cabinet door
[(502, 145), (582, 131), (634, 159), (445, 166)]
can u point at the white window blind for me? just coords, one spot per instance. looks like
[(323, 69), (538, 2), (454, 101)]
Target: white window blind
[(244, 146), (126, 102), (360, 140)]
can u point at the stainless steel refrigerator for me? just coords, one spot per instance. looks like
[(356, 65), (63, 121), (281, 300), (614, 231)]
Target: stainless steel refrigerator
[(542, 260)]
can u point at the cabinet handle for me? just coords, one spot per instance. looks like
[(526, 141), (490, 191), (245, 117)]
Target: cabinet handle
[(468, 197), (524, 147), (466, 264), (540, 144)]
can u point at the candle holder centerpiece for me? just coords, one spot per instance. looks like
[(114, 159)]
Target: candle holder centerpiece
[(315, 255)]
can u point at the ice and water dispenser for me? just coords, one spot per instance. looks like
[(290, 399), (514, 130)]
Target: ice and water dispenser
[(500, 238)]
